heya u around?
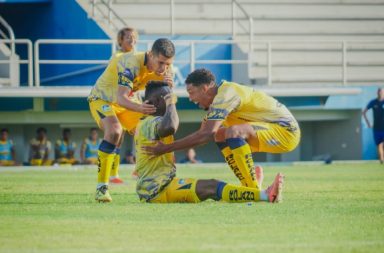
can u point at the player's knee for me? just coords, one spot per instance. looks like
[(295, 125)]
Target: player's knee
[(233, 132), (114, 134), (207, 189)]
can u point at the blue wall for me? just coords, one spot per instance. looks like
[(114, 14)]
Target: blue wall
[(359, 102), (57, 19)]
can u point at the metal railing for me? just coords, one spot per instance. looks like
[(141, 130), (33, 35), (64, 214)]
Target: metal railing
[(39, 61), (112, 15), (11, 35), (346, 57), (95, 5), (341, 52), (29, 59)]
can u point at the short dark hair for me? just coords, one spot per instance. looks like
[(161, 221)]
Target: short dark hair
[(4, 130), (164, 47), (93, 129), (66, 130), (154, 86), (199, 77), (41, 130)]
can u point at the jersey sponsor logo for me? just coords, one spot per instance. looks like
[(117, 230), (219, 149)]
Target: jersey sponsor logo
[(106, 108), (217, 114), (236, 195), (126, 78)]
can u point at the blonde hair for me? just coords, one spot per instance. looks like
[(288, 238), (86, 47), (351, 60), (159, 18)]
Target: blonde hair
[(123, 31)]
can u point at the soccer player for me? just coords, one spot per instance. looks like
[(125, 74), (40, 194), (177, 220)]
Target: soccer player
[(241, 120), (157, 181), (126, 39), (377, 106), (90, 147), (7, 149), (39, 149), (65, 149), (112, 108)]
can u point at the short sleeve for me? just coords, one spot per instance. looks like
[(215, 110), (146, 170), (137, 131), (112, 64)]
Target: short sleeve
[(226, 101), (371, 104)]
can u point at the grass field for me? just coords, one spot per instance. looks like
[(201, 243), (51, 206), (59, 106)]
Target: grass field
[(326, 208)]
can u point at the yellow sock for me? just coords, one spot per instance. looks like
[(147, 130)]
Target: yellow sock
[(244, 161), (115, 166), (105, 161), (234, 193), (227, 153), (242, 156)]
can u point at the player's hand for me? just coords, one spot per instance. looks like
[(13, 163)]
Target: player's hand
[(157, 150), (146, 108), (168, 78), (170, 99)]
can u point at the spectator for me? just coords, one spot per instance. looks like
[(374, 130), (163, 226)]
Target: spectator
[(65, 149), (378, 121), (40, 148), (126, 39), (190, 157), (89, 148), (7, 150)]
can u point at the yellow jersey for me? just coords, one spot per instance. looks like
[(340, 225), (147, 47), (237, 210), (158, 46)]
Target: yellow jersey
[(238, 104), (126, 69), (154, 172)]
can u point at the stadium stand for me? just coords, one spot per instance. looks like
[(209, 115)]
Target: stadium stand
[(323, 58)]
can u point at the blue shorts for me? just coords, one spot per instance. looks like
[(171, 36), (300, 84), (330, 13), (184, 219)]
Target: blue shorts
[(378, 136)]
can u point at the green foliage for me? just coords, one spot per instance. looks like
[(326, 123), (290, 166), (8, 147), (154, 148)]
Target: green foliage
[(326, 208)]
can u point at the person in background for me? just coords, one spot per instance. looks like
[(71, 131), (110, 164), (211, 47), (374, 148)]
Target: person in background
[(65, 149), (377, 106), (7, 149), (190, 157), (126, 39), (89, 147), (40, 148)]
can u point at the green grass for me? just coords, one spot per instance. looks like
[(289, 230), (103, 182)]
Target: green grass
[(334, 208)]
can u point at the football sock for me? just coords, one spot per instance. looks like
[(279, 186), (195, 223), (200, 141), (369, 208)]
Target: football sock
[(228, 156), (237, 194), (106, 157), (116, 164), (242, 156)]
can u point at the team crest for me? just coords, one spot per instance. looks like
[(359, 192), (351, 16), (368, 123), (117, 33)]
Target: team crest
[(106, 108)]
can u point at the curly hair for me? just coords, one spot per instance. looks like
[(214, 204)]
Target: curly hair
[(200, 77)]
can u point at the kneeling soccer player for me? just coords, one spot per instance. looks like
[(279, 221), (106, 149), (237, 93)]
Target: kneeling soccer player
[(156, 174)]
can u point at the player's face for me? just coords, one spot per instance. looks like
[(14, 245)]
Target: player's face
[(160, 64), (94, 135), (199, 96), (4, 135), (128, 42)]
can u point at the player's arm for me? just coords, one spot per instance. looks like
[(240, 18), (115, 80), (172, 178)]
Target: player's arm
[(124, 101), (57, 150), (203, 135), (170, 121), (82, 151), (366, 118), (47, 151), (13, 153)]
